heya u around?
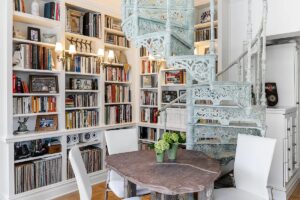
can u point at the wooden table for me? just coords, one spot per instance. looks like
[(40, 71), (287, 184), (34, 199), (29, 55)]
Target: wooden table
[(192, 173)]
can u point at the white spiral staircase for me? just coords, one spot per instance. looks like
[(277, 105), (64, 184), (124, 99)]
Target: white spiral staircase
[(166, 29)]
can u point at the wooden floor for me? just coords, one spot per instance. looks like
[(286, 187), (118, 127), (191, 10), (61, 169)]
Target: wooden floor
[(98, 194)]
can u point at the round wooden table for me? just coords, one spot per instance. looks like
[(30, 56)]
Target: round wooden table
[(192, 173)]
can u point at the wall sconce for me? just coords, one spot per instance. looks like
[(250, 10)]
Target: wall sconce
[(100, 54), (59, 50), (72, 49), (111, 56)]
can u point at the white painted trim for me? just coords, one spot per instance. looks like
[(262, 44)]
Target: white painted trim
[(56, 190)]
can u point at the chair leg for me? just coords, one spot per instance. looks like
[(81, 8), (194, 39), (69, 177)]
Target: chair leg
[(107, 185)]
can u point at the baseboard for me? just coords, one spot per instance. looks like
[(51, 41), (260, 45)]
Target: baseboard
[(57, 190), (292, 187)]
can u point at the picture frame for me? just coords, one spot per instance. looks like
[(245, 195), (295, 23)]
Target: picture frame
[(75, 21), (46, 123), (34, 34), (181, 92), (174, 77), (147, 81), (43, 84), (168, 96)]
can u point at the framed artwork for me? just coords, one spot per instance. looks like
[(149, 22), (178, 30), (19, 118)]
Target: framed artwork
[(174, 77), (168, 96), (82, 84), (75, 20), (181, 92), (147, 81), (43, 84), (46, 123), (33, 34)]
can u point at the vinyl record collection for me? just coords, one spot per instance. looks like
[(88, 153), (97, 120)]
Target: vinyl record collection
[(92, 160), (31, 56), (83, 64), (149, 115), (84, 23), (149, 98), (37, 173), (82, 100), (118, 114), (26, 105), (117, 93), (82, 119), (113, 73)]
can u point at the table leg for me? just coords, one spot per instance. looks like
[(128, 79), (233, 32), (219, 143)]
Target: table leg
[(129, 189), (207, 194)]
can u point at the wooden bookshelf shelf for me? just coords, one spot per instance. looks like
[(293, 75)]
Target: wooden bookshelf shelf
[(109, 30), (35, 114), (82, 91), (111, 46), (44, 44), (35, 20), (205, 25), (79, 36), (83, 108), (38, 157), (36, 71), (117, 82), (81, 74), (34, 94)]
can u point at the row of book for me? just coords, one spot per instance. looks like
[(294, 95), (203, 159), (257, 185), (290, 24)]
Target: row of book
[(82, 119), (26, 105), (150, 66), (143, 52), (31, 56), (204, 34), (116, 40), (148, 133), (176, 118), (39, 173), (115, 93), (149, 115), (91, 158), (149, 81), (113, 73), (19, 86), (82, 64), (113, 23), (149, 98), (84, 23), (81, 100), (118, 114), (83, 84)]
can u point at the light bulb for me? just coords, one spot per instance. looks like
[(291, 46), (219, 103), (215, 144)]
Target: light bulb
[(100, 52), (58, 47), (111, 55), (72, 49)]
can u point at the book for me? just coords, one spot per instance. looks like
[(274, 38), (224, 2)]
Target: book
[(116, 73), (148, 133), (52, 10), (115, 93), (203, 34), (113, 23), (82, 119), (82, 64), (175, 77), (149, 81), (150, 66), (115, 39), (81, 100), (149, 115), (27, 105), (149, 98), (118, 114)]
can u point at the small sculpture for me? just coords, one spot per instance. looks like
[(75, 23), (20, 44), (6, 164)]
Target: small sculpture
[(22, 126)]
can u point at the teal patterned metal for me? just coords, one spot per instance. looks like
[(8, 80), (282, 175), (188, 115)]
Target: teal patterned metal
[(166, 29)]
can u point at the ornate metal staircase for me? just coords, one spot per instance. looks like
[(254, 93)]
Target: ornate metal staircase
[(166, 29)]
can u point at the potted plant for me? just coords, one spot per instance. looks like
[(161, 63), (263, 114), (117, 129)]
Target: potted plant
[(173, 139), (160, 147)]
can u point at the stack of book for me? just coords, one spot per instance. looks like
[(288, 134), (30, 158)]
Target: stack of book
[(115, 93), (88, 24), (81, 100), (113, 23), (148, 133), (52, 10), (204, 34), (92, 160), (113, 73), (149, 98), (19, 86), (149, 115), (82, 119), (39, 173), (118, 114), (150, 66), (83, 64), (32, 56), (116, 40), (26, 105)]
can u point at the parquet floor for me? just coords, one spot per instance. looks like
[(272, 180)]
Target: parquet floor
[(98, 194)]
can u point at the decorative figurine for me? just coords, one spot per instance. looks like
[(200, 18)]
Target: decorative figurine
[(22, 126)]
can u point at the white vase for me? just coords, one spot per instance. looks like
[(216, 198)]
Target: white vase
[(35, 8)]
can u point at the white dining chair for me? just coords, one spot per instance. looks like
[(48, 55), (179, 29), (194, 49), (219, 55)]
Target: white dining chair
[(82, 178), (251, 170), (121, 141)]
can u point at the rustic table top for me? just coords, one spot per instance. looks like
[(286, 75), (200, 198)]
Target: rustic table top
[(192, 172)]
